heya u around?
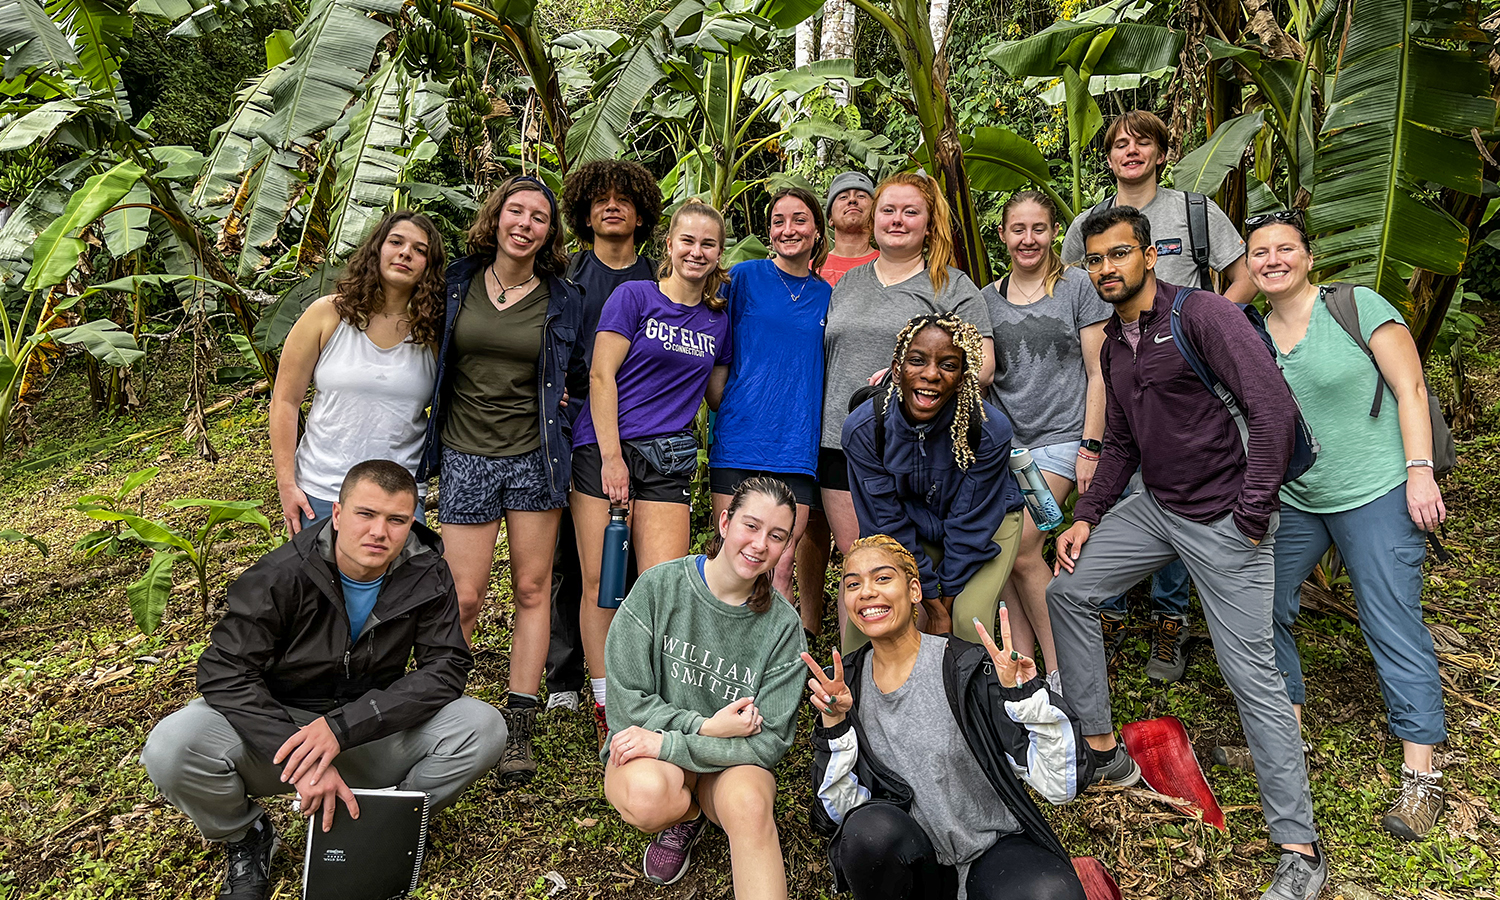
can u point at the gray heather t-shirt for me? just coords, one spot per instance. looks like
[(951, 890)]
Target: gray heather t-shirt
[(1040, 382), (864, 318), (913, 733), (1169, 231)]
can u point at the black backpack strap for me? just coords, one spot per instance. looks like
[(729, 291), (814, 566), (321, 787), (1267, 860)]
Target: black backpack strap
[(879, 404), (1197, 220), (575, 262), (1339, 298)]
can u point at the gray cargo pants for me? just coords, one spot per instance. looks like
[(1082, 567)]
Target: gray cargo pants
[(205, 769), (1236, 581)]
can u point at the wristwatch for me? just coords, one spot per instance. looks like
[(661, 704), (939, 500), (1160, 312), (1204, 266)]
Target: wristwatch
[(1092, 445), (1419, 462)]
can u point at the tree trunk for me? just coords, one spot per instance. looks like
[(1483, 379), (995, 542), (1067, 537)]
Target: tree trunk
[(838, 41), (807, 43), (937, 20)]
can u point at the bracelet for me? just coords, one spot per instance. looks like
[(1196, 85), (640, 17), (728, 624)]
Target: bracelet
[(1091, 445), (1082, 454), (1425, 463)]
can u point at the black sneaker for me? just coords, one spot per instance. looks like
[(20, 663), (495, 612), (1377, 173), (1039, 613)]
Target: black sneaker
[(1120, 770), (247, 872), (1168, 650), (1113, 626), (1297, 879)]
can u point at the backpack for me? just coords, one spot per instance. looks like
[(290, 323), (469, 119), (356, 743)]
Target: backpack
[(877, 392), (1197, 221), (1304, 446), (1339, 298)]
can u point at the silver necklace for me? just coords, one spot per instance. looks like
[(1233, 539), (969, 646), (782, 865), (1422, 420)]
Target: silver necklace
[(782, 275)]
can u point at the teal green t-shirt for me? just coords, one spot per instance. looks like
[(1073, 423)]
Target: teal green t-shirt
[(1362, 458)]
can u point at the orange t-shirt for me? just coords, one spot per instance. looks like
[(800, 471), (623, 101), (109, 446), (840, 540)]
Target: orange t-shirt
[(835, 267)]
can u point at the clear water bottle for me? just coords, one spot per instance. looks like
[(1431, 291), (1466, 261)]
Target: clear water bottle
[(1044, 509), (616, 554)]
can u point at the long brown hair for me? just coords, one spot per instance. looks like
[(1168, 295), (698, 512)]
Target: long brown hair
[(937, 247), (820, 242), (551, 258), (358, 294), (781, 495), (711, 296), (1053, 263)]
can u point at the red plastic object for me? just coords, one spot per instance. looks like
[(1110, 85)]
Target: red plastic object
[(1098, 884), (1167, 762)]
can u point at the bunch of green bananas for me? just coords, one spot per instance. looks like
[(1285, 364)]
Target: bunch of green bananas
[(468, 104), (429, 48)]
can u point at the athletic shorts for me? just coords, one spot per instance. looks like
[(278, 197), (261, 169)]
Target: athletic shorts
[(727, 480), (833, 470), (645, 482), (479, 489), (1059, 459)]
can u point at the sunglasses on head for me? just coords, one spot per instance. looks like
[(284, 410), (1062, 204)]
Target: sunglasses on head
[(1289, 216)]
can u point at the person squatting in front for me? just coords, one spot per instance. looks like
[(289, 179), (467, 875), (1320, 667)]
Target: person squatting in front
[(922, 746), (305, 682), (704, 685), (929, 465), (1208, 499)]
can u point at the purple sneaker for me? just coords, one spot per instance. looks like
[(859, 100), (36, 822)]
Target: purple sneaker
[(668, 854)]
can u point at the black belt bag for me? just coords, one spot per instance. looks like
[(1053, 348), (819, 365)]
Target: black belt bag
[(669, 454)]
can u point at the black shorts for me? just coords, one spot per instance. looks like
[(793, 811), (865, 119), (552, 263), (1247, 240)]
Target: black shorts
[(645, 482), (726, 481), (833, 470)]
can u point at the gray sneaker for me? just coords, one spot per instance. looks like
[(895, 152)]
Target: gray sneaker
[(1120, 770), (518, 765), (1168, 659), (567, 700), (1418, 805), (1295, 878)]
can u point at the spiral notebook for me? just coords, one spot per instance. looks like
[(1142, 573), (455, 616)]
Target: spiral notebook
[(375, 857)]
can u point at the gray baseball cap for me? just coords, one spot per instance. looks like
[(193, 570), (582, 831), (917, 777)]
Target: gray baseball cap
[(845, 181)]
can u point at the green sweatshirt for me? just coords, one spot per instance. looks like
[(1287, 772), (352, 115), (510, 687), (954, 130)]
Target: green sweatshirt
[(676, 655)]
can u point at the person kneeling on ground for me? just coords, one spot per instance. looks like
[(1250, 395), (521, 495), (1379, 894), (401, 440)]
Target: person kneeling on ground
[(305, 685), (918, 780), (703, 691), (929, 465)]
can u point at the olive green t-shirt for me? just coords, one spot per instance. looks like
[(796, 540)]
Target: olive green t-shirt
[(492, 410), (1360, 458)]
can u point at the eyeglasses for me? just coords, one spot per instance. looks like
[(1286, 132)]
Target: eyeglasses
[(1288, 216), (1093, 262)]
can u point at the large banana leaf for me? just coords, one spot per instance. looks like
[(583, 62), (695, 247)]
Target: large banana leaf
[(627, 80), (103, 339), (99, 29), (269, 194), (1203, 170), (335, 46), (126, 230), (45, 203), (38, 125), (57, 248), (1132, 49), (30, 38), (368, 168), (236, 147), (1403, 107)]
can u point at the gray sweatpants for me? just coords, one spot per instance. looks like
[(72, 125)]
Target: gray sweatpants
[(1235, 583), (205, 769)]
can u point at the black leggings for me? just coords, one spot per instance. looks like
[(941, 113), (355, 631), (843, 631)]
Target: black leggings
[(883, 854)]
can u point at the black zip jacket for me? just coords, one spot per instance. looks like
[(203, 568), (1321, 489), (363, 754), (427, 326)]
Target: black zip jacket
[(1061, 768), (285, 643)]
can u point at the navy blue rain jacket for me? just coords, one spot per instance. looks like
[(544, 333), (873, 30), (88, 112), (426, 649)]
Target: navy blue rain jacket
[(916, 493), (560, 368)]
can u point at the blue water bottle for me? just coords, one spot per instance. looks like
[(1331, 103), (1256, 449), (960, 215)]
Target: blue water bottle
[(1044, 509), (616, 553)]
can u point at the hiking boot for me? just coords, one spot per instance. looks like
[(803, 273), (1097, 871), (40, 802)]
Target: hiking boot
[(1113, 626), (518, 764), (1418, 805), (1119, 770), (567, 700), (247, 871), (667, 856), (1295, 878), (1235, 757), (1168, 650), (601, 725)]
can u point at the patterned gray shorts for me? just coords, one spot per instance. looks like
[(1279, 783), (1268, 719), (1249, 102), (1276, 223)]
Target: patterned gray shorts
[(478, 489)]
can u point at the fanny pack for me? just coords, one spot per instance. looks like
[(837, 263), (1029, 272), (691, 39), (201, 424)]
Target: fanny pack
[(669, 454)]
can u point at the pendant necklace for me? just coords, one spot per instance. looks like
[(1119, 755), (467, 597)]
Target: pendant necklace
[(505, 291), (782, 275)]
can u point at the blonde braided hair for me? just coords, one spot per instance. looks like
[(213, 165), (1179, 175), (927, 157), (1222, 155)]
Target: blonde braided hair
[(970, 398), (891, 547)]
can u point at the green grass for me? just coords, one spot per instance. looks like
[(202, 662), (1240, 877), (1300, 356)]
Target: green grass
[(80, 690)]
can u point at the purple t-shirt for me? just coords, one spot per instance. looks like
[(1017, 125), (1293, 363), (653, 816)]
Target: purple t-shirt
[(673, 349)]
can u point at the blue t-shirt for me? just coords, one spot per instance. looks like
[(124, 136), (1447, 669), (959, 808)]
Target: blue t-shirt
[(359, 599), (772, 413)]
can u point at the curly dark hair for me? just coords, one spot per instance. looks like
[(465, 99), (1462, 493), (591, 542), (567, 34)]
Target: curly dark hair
[(358, 294), (551, 258), (596, 179)]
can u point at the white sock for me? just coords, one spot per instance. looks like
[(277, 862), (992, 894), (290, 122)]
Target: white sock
[(597, 685)]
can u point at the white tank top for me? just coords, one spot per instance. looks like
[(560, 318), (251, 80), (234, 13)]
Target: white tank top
[(370, 404)]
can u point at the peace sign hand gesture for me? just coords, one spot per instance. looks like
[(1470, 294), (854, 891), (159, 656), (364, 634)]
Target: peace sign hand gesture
[(1011, 667), (830, 696)]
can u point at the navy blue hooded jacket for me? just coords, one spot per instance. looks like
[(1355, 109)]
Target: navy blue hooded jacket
[(915, 492), (561, 367)]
